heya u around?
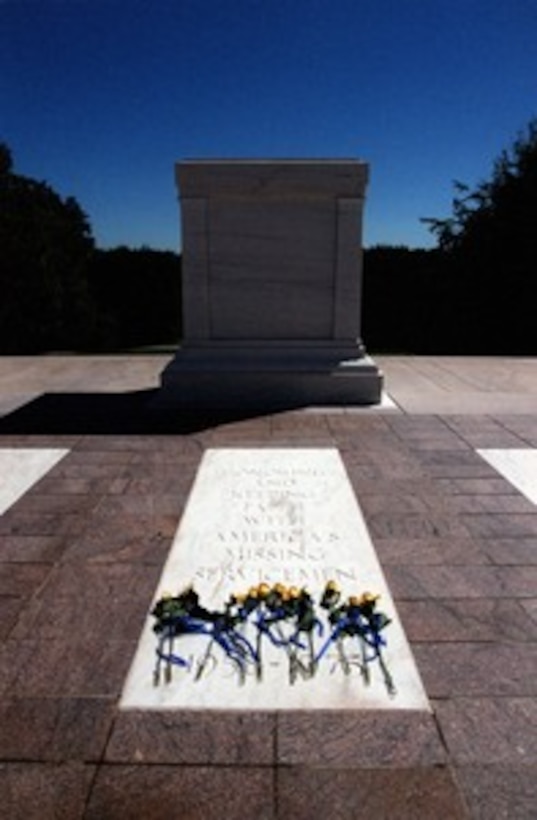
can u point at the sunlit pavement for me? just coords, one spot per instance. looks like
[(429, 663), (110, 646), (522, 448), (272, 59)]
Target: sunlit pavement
[(82, 550)]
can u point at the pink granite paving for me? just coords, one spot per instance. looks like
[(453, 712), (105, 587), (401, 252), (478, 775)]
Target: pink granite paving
[(80, 555)]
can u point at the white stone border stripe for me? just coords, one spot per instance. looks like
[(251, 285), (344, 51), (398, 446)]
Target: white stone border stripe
[(518, 466), (21, 468)]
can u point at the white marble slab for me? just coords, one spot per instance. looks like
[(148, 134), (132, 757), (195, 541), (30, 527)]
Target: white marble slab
[(274, 515), (20, 468), (518, 466)]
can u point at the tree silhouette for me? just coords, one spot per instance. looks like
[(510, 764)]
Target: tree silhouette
[(6, 160), (406, 300), (492, 243), (506, 203), (45, 246), (139, 294)]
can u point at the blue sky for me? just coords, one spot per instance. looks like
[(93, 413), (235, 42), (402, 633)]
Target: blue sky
[(101, 97)]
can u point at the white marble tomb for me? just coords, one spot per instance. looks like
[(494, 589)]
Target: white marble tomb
[(274, 515), (272, 285)]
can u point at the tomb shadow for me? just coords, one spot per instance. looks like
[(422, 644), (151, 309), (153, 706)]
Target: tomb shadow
[(132, 413)]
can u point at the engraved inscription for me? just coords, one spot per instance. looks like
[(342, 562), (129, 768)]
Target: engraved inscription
[(269, 533)]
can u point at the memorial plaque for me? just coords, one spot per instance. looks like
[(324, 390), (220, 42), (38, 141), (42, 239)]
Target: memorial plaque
[(274, 516)]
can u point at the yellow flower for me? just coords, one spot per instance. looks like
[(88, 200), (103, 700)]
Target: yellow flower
[(285, 593), (263, 590), (369, 598)]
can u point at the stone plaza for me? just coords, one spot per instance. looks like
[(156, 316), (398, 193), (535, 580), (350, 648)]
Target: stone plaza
[(444, 473)]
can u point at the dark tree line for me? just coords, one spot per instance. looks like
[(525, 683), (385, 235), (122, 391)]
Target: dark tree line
[(45, 247), (407, 305), (476, 292), (138, 292), (59, 292)]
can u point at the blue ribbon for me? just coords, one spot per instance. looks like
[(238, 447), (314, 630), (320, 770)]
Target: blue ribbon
[(241, 651), (354, 626), (236, 646)]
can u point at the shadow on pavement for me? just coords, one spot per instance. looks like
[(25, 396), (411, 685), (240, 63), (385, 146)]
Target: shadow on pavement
[(114, 413)]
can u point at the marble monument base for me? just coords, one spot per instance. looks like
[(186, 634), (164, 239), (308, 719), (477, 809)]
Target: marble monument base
[(270, 375)]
